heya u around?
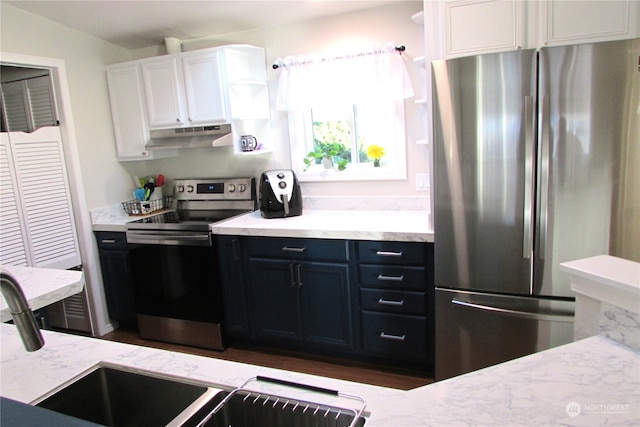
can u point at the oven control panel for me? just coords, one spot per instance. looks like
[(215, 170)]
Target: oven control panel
[(215, 189)]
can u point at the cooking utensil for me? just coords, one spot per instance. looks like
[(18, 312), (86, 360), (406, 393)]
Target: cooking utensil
[(160, 181), (149, 187), (139, 194)]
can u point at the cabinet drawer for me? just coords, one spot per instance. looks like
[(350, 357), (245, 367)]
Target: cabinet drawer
[(393, 277), (111, 240), (403, 337), (393, 301), (302, 249), (391, 252)]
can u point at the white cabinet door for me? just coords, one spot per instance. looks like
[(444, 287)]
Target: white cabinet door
[(164, 92), (128, 113), (203, 87), (13, 238), (43, 198), (569, 22), (482, 26)]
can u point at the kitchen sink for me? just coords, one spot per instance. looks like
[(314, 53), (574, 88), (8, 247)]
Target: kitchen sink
[(117, 397)]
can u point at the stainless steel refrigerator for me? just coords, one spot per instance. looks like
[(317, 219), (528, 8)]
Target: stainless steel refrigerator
[(536, 163)]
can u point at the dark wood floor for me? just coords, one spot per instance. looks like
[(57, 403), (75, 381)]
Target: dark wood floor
[(340, 369)]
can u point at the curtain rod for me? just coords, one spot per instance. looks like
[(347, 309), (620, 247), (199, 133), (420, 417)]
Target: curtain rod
[(398, 48)]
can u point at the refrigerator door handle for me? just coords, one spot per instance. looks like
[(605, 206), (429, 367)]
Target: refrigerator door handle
[(545, 155), (529, 182), (514, 313)]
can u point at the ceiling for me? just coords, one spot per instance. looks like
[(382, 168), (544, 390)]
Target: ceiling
[(144, 23)]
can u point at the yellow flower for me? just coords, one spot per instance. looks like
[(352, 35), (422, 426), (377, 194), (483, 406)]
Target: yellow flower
[(375, 152)]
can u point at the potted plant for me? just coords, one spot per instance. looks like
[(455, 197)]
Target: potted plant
[(324, 154), (375, 152)]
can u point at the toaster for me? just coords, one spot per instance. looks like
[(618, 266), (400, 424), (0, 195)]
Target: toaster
[(280, 194)]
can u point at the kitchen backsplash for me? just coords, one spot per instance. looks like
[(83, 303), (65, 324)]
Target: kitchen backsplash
[(368, 203)]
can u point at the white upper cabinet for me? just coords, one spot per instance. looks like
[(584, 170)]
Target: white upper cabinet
[(184, 89), (128, 113), (473, 27), (204, 87), (164, 92), (470, 27), (568, 22)]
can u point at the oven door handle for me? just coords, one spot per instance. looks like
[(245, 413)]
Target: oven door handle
[(169, 239)]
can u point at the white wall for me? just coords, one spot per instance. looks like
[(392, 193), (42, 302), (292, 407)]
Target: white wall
[(107, 181)]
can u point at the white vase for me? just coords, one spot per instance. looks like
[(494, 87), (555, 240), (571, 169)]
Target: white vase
[(327, 163)]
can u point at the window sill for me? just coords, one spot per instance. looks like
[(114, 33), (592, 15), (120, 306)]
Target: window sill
[(363, 172)]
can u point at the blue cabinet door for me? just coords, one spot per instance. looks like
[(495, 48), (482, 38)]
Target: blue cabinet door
[(274, 296), (325, 304)]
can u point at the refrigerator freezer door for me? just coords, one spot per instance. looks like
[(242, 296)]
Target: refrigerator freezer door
[(589, 133), (475, 330), (484, 164)]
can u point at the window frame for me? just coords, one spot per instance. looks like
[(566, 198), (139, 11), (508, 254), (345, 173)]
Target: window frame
[(301, 138)]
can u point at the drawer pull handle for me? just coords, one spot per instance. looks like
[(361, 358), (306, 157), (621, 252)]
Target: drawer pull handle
[(389, 302), (390, 278), (290, 249), (392, 337), (389, 253), (107, 241)]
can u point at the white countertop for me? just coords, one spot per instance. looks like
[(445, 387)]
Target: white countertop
[(43, 286), (597, 377), (355, 224), (607, 279), (406, 226)]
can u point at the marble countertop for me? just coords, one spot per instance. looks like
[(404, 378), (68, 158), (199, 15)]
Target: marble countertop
[(608, 279), (357, 222), (595, 381), (43, 286), (406, 226)]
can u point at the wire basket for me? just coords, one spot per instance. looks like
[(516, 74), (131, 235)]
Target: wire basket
[(136, 207)]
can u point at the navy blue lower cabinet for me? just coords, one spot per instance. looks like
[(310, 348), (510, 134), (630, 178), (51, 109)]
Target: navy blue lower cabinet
[(116, 276), (234, 294), (396, 292), (306, 302)]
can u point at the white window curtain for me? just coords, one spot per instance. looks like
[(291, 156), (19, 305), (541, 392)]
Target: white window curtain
[(315, 80)]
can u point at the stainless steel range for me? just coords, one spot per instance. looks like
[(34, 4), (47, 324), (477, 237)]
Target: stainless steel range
[(175, 265)]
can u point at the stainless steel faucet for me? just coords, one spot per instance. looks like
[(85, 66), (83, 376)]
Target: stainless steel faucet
[(21, 312)]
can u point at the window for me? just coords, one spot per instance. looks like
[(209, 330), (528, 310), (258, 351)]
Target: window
[(340, 108), (347, 132)]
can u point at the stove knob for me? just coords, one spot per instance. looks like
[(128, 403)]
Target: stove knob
[(282, 184), (189, 188), (232, 188), (242, 188), (180, 188), (280, 175)]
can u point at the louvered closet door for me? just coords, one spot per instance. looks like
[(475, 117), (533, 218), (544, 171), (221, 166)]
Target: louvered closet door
[(46, 201), (15, 104), (43, 112), (12, 231)]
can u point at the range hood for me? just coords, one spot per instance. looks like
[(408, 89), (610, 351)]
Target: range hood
[(190, 137)]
